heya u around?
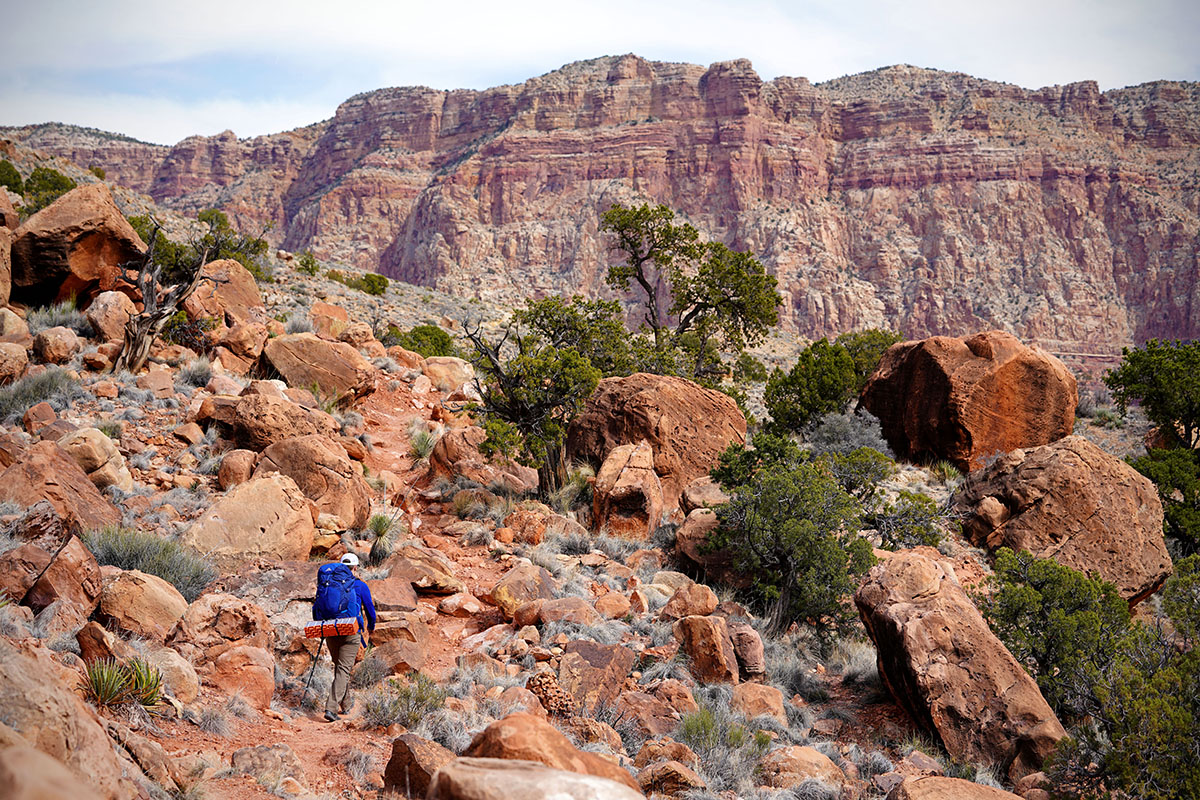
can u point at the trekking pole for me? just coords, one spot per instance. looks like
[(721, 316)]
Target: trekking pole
[(313, 669)]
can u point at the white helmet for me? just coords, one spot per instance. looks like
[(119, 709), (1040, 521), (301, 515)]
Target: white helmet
[(350, 560)]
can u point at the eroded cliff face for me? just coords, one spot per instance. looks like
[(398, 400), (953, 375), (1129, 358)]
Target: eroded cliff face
[(925, 201)]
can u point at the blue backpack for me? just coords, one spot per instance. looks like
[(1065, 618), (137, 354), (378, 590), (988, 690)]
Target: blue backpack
[(336, 597)]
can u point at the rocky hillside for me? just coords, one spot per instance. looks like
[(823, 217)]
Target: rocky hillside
[(927, 201)]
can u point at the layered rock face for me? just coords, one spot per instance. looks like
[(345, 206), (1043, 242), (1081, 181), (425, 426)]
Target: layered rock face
[(931, 202)]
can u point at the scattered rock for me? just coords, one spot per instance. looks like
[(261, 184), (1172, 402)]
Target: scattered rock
[(594, 674), (13, 361), (755, 699), (448, 373), (498, 779), (670, 778), (321, 469), (788, 767), (227, 294), (694, 599), (518, 586), (938, 788), (267, 516), (236, 467), (46, 472), (259, 420), (96, 455), (56, 345), (413, 763), (305, 360), (706, 642), (108, 314), (143, 605)]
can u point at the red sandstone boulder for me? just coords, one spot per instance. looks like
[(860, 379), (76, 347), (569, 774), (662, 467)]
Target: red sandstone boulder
[(228, 294), (72, 248), (448, 373), (56, 345), (401, 641), (39, 577), (706, 642), (426, 569), (39, 703), (669, 778), (236, 467), (788, 767), (457, 453), (260, 420), (966, 399), (141, 604), (686, 426), (219, 620), (594, 674), (756, 699), (945, 666), (627, 496), (693, 599), (936, 787), (245, 670), (413, 763), (46, 472), (108, 314), (266, 517), (96, 455), (1072, 502), (498, 779), (520, 585), (13, 361), (28, 774), (323, 472), (9, 219), (528, 737), (305, 360)]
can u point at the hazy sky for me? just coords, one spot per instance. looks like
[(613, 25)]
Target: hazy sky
[(163, 70)]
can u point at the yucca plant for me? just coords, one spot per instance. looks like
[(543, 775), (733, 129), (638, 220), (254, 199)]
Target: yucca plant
[(944, 471), (107, 682), (380, 528), (145, 683), (422, 443)]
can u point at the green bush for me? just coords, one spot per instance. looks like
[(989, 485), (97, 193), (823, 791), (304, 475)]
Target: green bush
[(1176, 474), (97, 171), (132, 549), (403, 701), (372, 283), (1065, 627), (307, 263), (910, 521), (1164, 377), (821, 382), (219, 242), (794, 532), (865, 349), (860, 472), (428, 340), (107, 682), (44, 186), (54, 385), (11, 179), (189, 333)]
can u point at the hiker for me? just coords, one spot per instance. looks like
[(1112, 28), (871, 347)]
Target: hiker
[(340, 596)]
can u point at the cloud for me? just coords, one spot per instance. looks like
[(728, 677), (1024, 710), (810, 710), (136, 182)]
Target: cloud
[(263, 62)]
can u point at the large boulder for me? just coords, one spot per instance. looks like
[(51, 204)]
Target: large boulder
[(41, 576), (528, 737), (945, 666), (401, 641), (1072, 502), (520, 585), (498, 779), (788, 767), (456, 453), (627, 496), (265, 517), (56, 345), (336, 368), (47, 472), (260, 420), (39, 703), (73, 248), (13, 361), (96, 455), (141, 604), (324, 473), (218, 620), (428, 571), (28, 774), (687, 426), (448, 373), (227, 294), (966, 399)]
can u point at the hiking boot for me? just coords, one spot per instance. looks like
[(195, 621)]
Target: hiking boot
[(331, 716)]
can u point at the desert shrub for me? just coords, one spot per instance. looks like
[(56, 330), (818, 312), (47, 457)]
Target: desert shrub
[(1164, 377), (369, 672), (859, 472), (428, 340), (821, 382), (214, 721), (97, 171), (944, 471), (1107, 418), (145, 683), (307, 263), (794, 531), (132, 549), (370, 282), (856, 660), (727, 748), (911, 520), (61, 314), (577, 491), (189, 333), (422, 442), (1176, 474), (106, 682), (299, 324), (197, 372), (1063, 626), (43, 187), (845, 433), (11, 179), (402, 701), (55, 385)]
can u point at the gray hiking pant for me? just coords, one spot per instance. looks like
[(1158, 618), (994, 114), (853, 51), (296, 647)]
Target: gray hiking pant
[(343, 650)]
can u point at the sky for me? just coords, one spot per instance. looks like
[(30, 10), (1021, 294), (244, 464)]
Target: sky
[(161, 71)]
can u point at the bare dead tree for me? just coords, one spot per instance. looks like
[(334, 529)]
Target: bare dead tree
[(159, 304)]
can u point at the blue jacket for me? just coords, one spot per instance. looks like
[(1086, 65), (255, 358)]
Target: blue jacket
[(365, 604)]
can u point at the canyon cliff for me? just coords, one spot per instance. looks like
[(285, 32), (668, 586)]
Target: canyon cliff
[(925, 201)]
